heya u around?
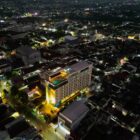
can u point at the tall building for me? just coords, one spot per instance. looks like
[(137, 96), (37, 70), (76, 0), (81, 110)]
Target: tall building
[(65, 83)]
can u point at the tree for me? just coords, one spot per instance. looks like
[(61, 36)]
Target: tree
[(18, 97)]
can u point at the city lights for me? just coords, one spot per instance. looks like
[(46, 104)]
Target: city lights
[(69, 69)]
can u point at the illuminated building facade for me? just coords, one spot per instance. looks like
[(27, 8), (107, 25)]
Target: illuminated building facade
[(64, 83)]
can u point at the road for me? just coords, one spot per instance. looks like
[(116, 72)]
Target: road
[(46, 131)]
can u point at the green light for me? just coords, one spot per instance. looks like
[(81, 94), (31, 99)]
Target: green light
[(56, 82)]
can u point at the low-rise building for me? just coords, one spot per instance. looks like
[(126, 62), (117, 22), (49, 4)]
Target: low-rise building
[(28, 55), (5, 66), (72, 115), (71, 39)]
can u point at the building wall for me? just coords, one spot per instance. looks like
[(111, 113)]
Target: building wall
[(76, 82)]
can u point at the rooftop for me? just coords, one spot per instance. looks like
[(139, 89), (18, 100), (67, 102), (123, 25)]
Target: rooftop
[(58, 78), (75, 111), (25, 50), (77, 67), (70, 38), (61, 75)]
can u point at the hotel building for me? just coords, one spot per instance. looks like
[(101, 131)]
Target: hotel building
[(65, 83)]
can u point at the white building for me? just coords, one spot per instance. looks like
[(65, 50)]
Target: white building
[(67, 82)]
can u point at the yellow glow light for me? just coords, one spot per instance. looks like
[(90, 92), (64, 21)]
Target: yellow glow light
[(53, 100), (15, 115), (131, 37)]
